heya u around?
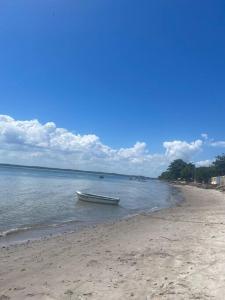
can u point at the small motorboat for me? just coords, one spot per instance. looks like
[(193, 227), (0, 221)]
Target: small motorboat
[(97, 198)]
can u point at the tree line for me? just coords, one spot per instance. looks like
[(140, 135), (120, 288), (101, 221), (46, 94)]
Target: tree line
[(181, 170)]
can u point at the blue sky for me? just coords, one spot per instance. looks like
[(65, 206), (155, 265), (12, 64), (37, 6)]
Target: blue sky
[(124, 71)]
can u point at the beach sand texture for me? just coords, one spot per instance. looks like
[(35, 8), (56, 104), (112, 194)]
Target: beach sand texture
[(175, 253)]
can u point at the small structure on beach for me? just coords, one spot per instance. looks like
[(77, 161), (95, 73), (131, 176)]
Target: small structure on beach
[(218, 180)]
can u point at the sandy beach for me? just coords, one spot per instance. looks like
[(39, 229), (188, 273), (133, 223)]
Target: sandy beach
[(175, 253)]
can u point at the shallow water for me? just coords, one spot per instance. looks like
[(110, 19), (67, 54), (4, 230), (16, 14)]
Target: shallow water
[(42, 200)]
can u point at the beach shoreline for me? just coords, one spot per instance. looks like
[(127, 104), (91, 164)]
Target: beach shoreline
[(175, 252), (30, 233)]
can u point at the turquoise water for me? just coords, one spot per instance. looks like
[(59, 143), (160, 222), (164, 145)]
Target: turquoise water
[(39, 199)]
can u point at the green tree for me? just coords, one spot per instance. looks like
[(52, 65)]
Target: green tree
[(165, 175), (203, 174), (176, 167), (179, 169), (187, 173), (219, 165)]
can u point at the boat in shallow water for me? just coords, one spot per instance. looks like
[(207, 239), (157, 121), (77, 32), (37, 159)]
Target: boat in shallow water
[(97, 198)]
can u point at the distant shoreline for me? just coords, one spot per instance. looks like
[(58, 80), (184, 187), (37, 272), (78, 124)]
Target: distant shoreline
[(73, 170)]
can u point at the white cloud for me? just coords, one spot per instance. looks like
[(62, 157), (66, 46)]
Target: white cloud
[(182, 149), (33, 143), (204, 136), (33, 133), (204, 163), (218, 144)]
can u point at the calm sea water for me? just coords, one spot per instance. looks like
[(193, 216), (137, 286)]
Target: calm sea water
[(34, 200)]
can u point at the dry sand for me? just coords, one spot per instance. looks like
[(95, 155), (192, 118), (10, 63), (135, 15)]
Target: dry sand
[(176, 253)]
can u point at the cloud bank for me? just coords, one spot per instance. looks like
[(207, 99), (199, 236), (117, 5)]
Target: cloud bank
[(218, 144), (32, 143)]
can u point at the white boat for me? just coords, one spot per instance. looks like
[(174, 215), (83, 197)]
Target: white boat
[(97, 198)]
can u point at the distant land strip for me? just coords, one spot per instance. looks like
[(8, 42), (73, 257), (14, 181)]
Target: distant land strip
[(73, 170)]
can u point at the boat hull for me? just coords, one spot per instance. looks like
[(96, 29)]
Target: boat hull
[(97, 199)]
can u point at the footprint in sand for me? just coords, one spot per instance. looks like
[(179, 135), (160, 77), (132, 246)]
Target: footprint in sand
[(92, 263), (20, 288), (39, 296)]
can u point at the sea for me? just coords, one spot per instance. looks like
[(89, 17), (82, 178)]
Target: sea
[(37, 202)]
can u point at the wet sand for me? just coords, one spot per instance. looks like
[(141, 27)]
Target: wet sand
[(175, 253)]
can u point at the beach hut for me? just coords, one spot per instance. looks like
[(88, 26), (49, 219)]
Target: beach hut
[(219, 180), (215, 180)]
